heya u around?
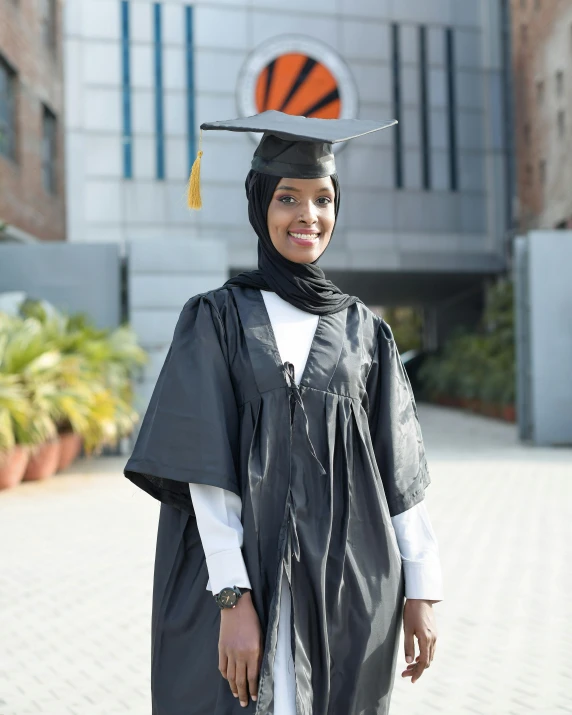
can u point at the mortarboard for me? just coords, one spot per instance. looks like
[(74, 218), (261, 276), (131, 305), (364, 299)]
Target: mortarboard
[(292, 146)]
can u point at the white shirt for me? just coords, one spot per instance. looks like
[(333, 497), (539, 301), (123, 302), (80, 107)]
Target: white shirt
[(218, 511)]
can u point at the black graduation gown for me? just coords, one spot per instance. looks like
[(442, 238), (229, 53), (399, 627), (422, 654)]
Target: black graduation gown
[(320, 470)]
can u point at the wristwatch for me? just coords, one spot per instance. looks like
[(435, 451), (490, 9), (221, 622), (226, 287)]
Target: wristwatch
[(228, 597)]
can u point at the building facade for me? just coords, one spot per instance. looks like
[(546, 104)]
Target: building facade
[(32, 180), (425, 205), (542, 59)]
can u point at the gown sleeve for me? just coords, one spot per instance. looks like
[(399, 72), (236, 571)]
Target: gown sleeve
[(189, 433), (394, 427)]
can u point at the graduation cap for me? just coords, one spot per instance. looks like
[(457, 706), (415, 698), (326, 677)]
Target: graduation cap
[(292, 147)]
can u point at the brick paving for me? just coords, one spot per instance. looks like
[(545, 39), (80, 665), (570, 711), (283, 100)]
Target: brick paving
[(76, 559)]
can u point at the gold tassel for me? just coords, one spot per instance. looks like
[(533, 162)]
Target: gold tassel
[(194, 200)]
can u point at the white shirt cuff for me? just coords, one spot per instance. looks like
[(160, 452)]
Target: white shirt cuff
[(227, 568), (423, 580), (419, 553)]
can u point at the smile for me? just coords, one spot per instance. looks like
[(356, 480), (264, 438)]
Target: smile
[(304, 236)]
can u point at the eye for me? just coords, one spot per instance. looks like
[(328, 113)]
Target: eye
[(324, 200), (287, 200)]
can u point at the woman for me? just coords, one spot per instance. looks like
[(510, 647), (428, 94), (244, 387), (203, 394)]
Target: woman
[(283, 442)]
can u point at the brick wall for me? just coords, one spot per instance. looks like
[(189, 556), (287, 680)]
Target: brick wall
[(24, 202), (542, 48)]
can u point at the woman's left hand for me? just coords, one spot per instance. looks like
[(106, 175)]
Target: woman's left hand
[(419, 621)]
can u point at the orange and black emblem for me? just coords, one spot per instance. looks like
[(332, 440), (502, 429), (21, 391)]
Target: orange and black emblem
[(298, 84)]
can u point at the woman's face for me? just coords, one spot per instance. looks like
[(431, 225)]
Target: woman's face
[(301, 218)]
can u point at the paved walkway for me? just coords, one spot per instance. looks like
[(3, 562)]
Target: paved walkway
[(76, 559)]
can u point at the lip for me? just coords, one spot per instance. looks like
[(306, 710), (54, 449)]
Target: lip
[(313, 237)]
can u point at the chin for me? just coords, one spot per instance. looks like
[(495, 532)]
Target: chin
[(303, 256)]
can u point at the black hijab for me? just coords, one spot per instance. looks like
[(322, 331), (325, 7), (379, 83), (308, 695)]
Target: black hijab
[(303, 285)]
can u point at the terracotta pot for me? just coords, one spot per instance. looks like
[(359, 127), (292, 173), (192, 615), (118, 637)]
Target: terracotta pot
[(43, 462), (509, 413), (12, 467), (490, 409), (70, 444)]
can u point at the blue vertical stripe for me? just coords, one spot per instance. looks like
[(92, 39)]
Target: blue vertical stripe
[(396, 76), (190, 84), (159, 124), (451, 109), (126, 91)]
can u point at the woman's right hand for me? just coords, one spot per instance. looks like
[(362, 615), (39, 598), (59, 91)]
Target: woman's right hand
[(240, 648)]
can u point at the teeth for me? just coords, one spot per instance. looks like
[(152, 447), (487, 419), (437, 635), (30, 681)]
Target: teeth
[(304, 235)]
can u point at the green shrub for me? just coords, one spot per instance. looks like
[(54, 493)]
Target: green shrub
[(478, 365)]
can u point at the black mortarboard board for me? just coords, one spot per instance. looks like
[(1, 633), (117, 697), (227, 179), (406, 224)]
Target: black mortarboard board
[(292, 147)]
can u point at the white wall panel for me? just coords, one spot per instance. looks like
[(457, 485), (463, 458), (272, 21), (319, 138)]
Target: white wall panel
[(173, 24), (176, 158), (144, 157), (409, 44), (412, 168), (102, 201), (320, 25), (144, 202), (175, 114), (436, 46), (217, 70), (141, 22), (373, 82), (371, 167), (468, 46), (101, 64), (221, 27), (143, 111), (366, 8), (104, 157), (101, 19), (102, 110), (142, 67), (365, 40), (174, 68)]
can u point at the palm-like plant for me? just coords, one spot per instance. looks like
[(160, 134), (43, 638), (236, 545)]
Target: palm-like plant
[(59, 373), (14, 412)]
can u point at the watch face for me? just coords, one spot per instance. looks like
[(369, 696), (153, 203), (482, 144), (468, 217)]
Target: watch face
[(227, 598)]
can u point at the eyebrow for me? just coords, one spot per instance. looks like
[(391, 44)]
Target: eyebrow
[(293, 188)]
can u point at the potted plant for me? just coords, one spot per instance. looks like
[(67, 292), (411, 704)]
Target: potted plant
[(14, 417), (95, 387)]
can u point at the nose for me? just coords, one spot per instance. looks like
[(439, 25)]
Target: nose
[(309, 213)]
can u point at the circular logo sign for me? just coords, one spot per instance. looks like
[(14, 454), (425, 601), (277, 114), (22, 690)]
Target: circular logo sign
[(297, 75)]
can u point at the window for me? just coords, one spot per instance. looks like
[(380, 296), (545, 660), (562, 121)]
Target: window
[(7, 110), (559, 83), (523, 34), (159, 111), (526, 133), (451, 109), (561, 123), (48, 23), (126, 91), (49, 156), (396, 77), (542, 171), (540, 91), (424, 97), (529, 174)]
